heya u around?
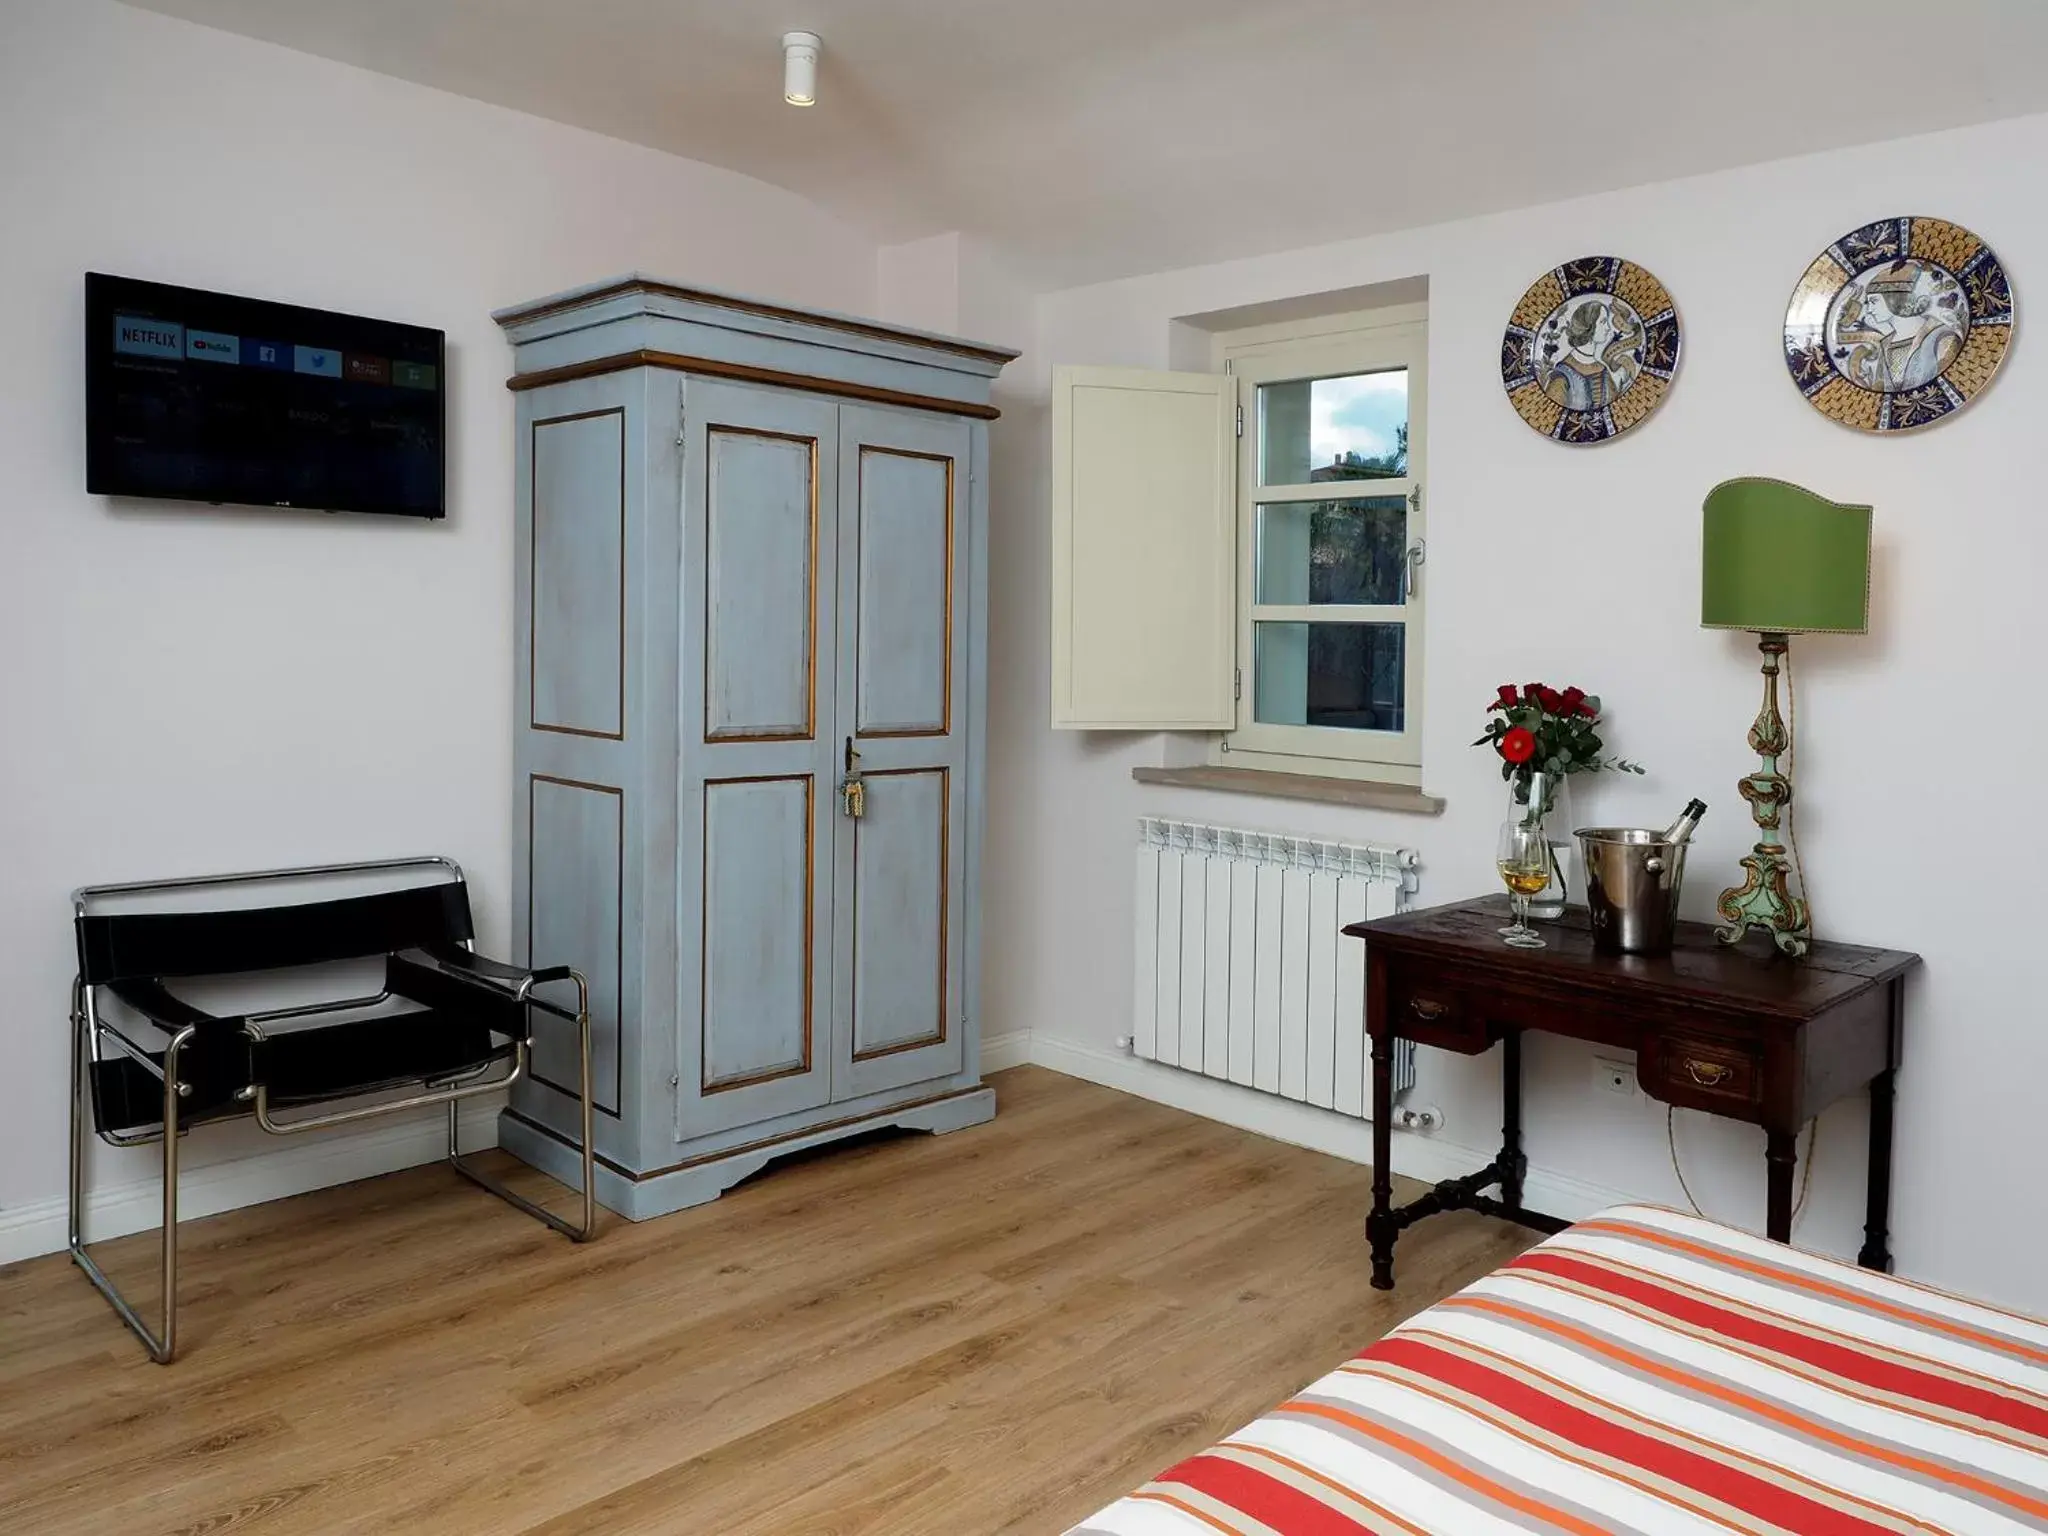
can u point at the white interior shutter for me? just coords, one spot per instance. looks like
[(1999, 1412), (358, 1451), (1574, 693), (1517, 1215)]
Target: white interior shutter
[(1144, 550)]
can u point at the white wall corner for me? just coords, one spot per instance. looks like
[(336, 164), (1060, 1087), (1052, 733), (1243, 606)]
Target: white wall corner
[(271, 1173), (1010, 1049), (959, 286)]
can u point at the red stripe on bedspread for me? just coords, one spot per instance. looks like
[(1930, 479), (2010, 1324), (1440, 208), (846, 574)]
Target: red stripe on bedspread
[(1262, 1498), (1771, 1502), (1850, 1364)]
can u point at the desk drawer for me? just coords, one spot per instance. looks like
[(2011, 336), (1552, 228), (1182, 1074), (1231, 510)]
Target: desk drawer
[(1430, 1014), (1703, 1071)]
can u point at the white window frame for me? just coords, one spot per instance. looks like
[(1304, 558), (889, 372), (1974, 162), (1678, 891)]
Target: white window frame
[(1331, 346)]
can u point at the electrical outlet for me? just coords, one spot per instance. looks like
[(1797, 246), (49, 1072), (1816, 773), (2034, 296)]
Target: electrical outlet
[(1615, 1075), (1427, 1120)]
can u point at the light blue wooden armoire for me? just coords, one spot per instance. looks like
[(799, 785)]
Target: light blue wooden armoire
[(751, 608)]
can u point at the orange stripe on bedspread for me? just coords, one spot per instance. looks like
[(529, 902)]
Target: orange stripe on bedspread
[(1621, 1414), (1444, 1466), (1750, 1403), (1798, 1342), (1712, 1478), (1852, 1296), (1153, 1496)]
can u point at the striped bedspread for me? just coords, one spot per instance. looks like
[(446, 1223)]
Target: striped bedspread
[(1646, 1372)]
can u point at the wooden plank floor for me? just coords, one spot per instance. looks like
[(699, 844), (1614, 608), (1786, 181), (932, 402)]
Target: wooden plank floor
[(995, 1331)]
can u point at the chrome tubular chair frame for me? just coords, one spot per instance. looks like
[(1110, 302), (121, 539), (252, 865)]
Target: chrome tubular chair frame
[(92, 1035)]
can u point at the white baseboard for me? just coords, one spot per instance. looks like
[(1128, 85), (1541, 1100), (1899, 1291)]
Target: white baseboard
[(284, 1168), (1007, 1050), (1416, 1156)]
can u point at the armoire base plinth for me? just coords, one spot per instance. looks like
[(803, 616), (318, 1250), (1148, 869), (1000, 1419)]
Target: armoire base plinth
[(699, 1181)]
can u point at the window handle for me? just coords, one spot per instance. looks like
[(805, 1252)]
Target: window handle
[(1418, 552)]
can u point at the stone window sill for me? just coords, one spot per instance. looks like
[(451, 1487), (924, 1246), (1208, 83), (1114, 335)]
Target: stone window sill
[(1363, 793)]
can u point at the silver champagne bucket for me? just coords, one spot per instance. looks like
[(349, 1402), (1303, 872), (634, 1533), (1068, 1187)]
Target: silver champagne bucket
[(1632, 880)]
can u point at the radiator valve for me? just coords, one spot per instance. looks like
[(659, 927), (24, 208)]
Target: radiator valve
[(1427, 1119)]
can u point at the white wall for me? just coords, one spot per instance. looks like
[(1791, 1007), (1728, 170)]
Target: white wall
[(1920, 744), (186, 689), (919, 283)]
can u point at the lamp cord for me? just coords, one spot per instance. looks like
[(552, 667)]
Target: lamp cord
[(1799, 871), (1805, 1176)]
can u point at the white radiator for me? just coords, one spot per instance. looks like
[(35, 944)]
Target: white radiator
[(1242, 973)]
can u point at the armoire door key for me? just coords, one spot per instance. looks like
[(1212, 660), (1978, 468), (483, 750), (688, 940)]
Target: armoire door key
[(853, 794)]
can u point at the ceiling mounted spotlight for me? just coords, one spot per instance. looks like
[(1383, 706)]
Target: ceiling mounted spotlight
[(800, 68)]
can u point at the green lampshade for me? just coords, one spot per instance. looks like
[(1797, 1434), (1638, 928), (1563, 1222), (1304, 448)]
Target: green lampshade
[(1780, 560)]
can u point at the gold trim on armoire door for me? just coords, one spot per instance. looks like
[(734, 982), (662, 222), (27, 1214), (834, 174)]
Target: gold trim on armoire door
[(533, 719), (921, 1042), (810, 726), (945, 726), (726, 1085)]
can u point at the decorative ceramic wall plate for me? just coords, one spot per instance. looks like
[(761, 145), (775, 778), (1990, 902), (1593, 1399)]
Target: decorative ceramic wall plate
[(1590, 350), (1898, 325)]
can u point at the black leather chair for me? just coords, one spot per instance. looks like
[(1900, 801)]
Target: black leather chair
[(446, 1025)]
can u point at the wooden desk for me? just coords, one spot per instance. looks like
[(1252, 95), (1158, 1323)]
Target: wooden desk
[(1738, 1032)]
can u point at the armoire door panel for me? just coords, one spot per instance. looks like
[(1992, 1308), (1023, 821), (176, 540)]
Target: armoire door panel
[(901, 971), (759, 757), (905, 600), (577, 575), (901, 866), (576, 844), (757, 968), (760, 584)]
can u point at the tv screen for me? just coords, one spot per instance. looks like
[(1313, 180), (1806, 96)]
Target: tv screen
[(204, 397)]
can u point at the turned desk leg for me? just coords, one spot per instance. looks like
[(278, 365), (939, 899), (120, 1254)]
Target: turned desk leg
[(1781, 1153), (1380, 1229), (1876, 1253), (1513, 1166)]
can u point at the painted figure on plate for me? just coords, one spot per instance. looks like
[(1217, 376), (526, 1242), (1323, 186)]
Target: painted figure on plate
[(1897, 325), (1588, 351)]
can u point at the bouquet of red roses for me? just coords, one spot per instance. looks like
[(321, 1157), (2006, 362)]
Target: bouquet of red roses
[(1536, 728)]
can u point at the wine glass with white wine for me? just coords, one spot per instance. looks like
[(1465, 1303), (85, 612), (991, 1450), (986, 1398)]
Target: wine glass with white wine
[(1523, 857)]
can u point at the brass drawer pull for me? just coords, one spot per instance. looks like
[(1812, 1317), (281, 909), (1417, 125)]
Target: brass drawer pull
[(1708, 1074), (1427, 1011)]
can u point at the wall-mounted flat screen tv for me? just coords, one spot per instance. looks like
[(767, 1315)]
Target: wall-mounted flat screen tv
[(201, 396)]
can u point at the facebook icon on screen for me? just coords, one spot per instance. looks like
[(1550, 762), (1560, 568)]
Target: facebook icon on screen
[(265, 354)]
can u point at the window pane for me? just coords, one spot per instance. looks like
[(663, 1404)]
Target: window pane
[(1333, 551), (1350, 676), (1349, 428)]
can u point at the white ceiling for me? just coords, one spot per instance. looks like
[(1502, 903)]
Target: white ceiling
[(1095, 138)]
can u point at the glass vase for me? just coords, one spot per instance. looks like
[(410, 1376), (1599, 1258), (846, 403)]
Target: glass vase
[(1542, 799)]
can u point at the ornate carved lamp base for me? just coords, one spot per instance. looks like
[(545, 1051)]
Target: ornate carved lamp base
[(1765, 900)]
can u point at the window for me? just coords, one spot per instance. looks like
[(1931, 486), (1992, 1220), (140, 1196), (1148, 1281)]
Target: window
[(1239, 552), (1330, 545)]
